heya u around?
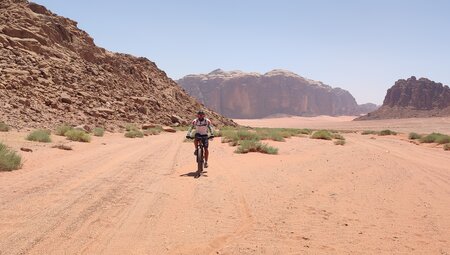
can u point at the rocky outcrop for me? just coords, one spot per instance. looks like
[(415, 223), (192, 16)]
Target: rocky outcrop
[(52, 72), (413, 98), (251, 95)]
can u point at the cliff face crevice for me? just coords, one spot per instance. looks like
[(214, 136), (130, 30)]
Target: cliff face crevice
[(413, 98), (52, 72), (251, 95)]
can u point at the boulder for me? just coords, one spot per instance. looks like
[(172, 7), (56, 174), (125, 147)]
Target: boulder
[(169, 129)]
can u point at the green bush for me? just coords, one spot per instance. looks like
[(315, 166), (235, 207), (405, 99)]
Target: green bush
[(369, 132), (182, 128), (131, 127), (338, 136), (39, 135), (233, 137), (98, 131), (435, 138), (61, 130), (247, 146), (9, 159), (4, 127), (414, 136), (152, 131), (134, 134), (447, 147), (387, 132), (78, 135), (322, 134), (339, 142)]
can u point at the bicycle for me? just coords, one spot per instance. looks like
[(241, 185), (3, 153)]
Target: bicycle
[(200, 154)]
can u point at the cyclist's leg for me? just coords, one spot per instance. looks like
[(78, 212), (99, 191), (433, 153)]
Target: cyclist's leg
[(206, 145), (196, 141)]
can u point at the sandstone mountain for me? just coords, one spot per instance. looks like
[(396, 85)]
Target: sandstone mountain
[(52, 72), (413, 98), (237, 94)]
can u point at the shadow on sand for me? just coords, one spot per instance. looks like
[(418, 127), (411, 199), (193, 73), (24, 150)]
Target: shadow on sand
[(195, 174)]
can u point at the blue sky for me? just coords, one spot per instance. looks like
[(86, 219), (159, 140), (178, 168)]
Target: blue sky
[(359, 45)]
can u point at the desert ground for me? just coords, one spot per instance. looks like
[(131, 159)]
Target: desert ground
[(375, 195)]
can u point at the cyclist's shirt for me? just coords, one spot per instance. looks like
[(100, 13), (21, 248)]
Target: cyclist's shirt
[(202, 126)]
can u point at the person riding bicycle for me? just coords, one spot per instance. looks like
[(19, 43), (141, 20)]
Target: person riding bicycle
[(201, 125)]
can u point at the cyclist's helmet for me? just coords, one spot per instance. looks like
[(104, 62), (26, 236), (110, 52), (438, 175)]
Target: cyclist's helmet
[(201, 112)]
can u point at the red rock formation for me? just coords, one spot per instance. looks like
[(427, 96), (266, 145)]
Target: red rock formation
[(413, 98), (52, 72), (251, 95)]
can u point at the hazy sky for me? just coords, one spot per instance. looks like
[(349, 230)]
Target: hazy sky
[(359, 45)]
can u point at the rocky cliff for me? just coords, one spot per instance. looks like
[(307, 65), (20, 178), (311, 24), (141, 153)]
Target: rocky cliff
[(251, 95), (52, 72), (413, 98)]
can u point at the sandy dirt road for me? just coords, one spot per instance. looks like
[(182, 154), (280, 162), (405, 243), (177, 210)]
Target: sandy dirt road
[(137, 196)]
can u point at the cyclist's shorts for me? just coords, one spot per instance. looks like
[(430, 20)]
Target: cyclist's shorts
[(203, 139)]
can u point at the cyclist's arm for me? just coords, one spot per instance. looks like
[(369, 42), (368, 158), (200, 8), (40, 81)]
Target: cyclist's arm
[(190, 130), (211, 129)]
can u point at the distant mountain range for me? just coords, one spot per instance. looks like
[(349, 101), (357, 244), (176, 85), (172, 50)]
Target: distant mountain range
[(237, 94), (412, 98)]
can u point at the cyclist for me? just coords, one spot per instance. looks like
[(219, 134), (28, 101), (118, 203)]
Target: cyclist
[(201, 125)]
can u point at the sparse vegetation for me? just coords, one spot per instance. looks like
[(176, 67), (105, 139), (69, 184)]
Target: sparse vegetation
[(131, 127), (182, 128), (98, 131), (62, 147), (9, 159), (78, 135), (152, 131), (4, 127), (387, 132), (39, 135), (435, 138), (447, 147), (414, 136), (338, 136), (339, 142), (61, 130), (134, 134), (247, 146), (369, 132), (322, 134)]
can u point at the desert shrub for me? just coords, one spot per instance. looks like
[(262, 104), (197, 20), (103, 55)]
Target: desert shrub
[(131, 127), (369, 132), (78, 135), (39, 135), (247, 146), (435, 138), (339, 142), (182, 128), (152, 131), (134, 134), (443, 139), (233, 137), (62, 147), (4, 127), (322, 134), (387, 132), (304, 131), (98, 131), (338, 136), (270, 134), (447, 147), (414, 136), (62, 129), (9, 159)]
